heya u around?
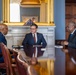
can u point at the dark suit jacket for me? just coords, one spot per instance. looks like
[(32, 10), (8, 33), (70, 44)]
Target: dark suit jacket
[(28, 43), (72, 45), (2, 40)]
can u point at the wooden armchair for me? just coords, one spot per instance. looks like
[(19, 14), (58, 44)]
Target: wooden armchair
[(4, 65), (7, 60), (24, 67)]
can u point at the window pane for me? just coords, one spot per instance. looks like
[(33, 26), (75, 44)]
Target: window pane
[(14, 12)]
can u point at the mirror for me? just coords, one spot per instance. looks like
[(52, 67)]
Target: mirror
[(21, 12), (18, 11)]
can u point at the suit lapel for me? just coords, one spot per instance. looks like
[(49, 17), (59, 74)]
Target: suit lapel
[(73, 35), (4, 39), (32, 37), (37, 37)]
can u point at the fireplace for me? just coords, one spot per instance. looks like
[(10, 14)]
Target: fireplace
[(16, 35)]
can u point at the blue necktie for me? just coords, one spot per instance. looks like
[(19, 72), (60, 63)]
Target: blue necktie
[(71, 36)]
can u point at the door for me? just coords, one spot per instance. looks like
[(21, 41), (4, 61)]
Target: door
[(70, 16)]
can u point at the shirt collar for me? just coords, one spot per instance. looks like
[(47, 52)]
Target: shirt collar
[(34, 33), (73, 31)]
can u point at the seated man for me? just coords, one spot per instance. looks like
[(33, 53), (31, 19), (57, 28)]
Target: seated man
[(3, 31), (71, 42), (33, 42)]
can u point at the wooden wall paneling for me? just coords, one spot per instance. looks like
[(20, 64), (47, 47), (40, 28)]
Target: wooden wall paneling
[(70, 15)]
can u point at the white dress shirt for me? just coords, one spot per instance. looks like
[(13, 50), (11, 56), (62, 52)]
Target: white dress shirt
[(36, 47)]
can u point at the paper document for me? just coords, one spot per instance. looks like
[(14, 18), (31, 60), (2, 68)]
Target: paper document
[(58, 46)]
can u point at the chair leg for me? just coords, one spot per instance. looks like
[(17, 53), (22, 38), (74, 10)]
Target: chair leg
[(0, 73), (11, 72), (7, 71), (14, 72)]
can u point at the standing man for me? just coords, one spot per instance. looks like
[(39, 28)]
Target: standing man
[(33, 42), (3, 32), (71, 43)]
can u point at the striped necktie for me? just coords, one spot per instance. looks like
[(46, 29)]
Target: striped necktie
[(34, 47), (34, 38)]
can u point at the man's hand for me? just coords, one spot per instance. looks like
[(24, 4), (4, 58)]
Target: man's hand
[(64, 43)]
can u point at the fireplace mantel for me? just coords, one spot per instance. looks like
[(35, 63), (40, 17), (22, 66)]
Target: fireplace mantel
[(16, 35)]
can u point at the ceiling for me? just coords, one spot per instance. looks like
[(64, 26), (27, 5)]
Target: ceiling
[(70, 1)]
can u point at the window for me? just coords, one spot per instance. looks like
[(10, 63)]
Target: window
[(14, 12)]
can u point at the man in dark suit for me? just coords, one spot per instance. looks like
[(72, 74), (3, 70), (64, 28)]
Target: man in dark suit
[(71, 43), (32, 45), (3, 31)]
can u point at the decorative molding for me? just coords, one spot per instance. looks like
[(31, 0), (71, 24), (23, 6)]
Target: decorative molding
[(37, 5)]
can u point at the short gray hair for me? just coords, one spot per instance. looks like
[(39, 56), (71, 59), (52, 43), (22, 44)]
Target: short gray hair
[(72, 23)]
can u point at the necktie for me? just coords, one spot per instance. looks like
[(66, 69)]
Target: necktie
[(34, 38), (71, 36), (34, 47)]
